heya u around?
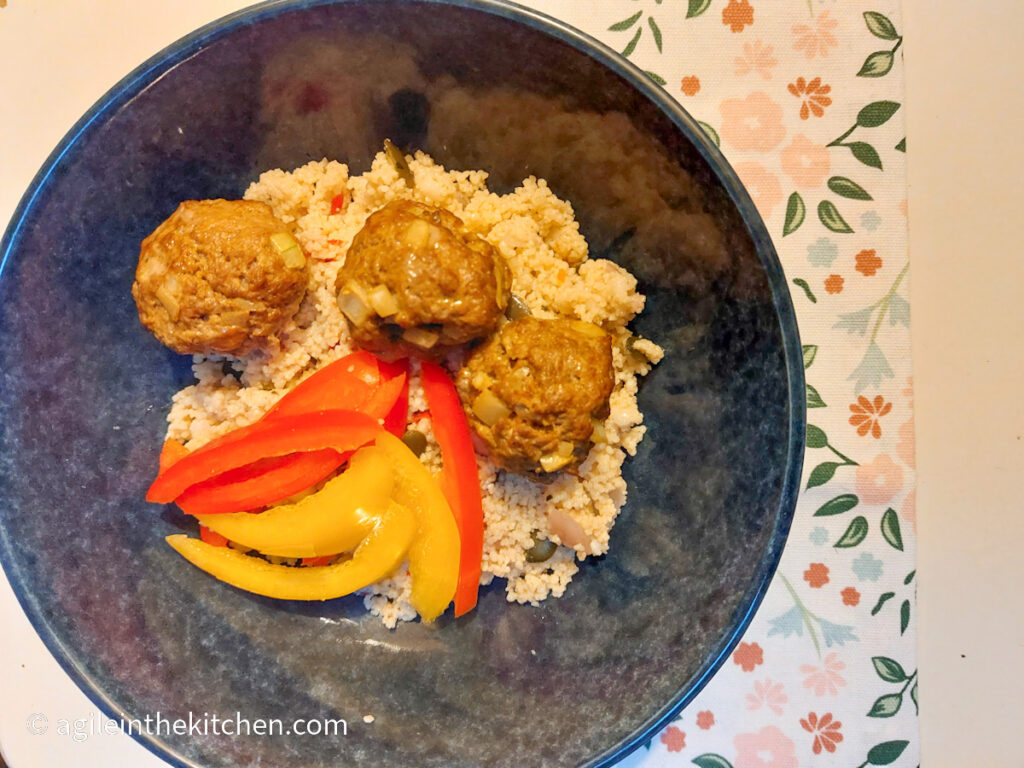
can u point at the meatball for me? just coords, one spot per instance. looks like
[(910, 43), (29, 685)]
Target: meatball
[(219, 276), (534, 392), (416, 281)]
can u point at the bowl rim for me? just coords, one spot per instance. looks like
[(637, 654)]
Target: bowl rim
[(171, 55)]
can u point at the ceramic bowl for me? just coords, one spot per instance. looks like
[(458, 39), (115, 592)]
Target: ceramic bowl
[(85, 391)]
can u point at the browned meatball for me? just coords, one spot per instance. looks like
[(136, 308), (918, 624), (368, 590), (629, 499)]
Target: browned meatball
[(534, 391), (219, 276), (416, 281)]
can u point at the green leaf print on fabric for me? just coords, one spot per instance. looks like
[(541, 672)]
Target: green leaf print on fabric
[(711, 132), (844, 187), (877, 113), (822, 473), (902, 146), (886, 753), (655, 77), (886, 706), (888, 669), (631, 45), (882, 600), (796, 212), (865, 153), (838, 505), (625, 24), (816, 437), (831, 218), (880, 63), (880, 26), (810, 351), (814, 399), (655, 31), (855, 533), (711, 761), (877, 64), (799, 281), (904, 616), (891, 529), (697, 7)]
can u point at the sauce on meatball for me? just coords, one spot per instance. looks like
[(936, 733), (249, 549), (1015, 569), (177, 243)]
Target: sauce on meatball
[(219, 276), (534, 392), (417, 281)]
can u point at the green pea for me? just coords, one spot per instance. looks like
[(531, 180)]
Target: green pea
[(416, 441), (541, 550)]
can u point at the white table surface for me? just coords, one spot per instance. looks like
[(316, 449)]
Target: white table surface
[(965, 106)]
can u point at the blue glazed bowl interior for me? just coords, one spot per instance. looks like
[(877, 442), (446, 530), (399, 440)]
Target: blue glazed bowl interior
[(85, 391)]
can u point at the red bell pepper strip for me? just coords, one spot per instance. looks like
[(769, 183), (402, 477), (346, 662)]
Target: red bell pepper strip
[(460, 480), (212, 537), (259, 484), (398, 416), (171, 451), (338, 203), (321, 560), (339, 430), (345, 383)]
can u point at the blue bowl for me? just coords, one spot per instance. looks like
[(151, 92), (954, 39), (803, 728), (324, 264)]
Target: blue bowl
[(580, 680)]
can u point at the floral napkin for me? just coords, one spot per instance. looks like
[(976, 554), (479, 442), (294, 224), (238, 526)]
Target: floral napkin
[(805, 99)]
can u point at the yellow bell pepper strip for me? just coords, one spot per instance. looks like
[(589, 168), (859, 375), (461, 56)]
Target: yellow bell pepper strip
[(339, 430), (332, 520), (434, 554), (460, 480), (379, 554)]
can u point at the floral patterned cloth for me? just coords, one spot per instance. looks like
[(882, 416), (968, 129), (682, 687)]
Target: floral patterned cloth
[(804, 97)]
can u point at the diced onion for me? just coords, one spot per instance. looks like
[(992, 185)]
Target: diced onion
[(169, 300), (552, 462), (383, 302), (421, 337), (417, 234), (294, 258), (283, 241), (598, 435), (587, 329), (569, 531), (490, 408), (565, 448), (353, 307)]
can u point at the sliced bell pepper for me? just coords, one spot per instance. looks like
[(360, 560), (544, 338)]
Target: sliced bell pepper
[(259, 484), (211, 538), (459, 478), (171, 451), (434, 554), (332, 520), (339, 430), (379, 554), (337, 386), (398, 416)]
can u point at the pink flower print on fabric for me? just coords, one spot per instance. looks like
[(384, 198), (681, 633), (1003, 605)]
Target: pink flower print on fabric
[(767, 693), (768, 748), (826, 678)]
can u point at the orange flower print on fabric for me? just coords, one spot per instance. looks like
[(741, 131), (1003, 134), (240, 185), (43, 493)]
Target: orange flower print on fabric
[(738, 14), (691, 85), (834, 284), (763, 186), (806, 163), (816, 38), (757, 57), (753, 123), (850, 596), (814, 96), (816, 575), (879, 480), (867, 413), (673, 739), (868, 263), (748, 656), (705, 720), (827, 732)]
